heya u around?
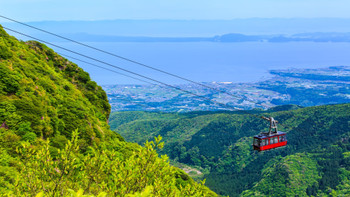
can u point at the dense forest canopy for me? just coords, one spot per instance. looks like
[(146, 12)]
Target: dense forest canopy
[(315, 161)]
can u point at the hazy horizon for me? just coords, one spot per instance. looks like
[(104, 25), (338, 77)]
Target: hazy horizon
[(173, 28), (38, 10), (166, 19)]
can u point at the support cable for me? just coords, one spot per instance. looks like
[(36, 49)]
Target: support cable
[(133, 61)]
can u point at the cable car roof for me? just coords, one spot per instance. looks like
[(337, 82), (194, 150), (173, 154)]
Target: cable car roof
[(265, 135)]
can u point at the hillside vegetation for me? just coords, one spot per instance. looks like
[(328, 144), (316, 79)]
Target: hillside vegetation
[(54, 136), (315, 162)]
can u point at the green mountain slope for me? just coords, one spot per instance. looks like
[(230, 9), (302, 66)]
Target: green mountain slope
[(53, 95), (315, 162), (54, 136)]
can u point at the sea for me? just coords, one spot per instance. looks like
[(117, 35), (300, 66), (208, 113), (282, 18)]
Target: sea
[(240, 62)]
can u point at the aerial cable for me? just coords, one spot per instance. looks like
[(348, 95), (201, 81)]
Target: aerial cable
[(136, 62), (133, 61), (134, 73), (95, 65), (125, 70)]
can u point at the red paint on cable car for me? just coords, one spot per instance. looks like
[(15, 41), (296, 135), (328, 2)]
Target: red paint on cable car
[(271, 139), (265, 142)]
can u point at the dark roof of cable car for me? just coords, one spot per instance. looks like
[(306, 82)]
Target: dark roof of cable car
[(263, 135)]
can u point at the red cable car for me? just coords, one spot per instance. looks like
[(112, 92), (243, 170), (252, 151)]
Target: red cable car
[(270, 140)]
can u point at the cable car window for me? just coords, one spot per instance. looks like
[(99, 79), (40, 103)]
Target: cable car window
[(266, 142), (273, 140), (256, 143), (282, 138)]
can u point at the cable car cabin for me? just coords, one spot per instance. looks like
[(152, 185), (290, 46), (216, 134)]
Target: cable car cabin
[(265, 142), (271, 139)]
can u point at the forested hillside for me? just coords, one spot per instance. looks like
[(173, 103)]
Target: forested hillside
[(54, 136), (315, 162)]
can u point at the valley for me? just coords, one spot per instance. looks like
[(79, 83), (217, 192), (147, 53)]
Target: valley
[(219, 144)]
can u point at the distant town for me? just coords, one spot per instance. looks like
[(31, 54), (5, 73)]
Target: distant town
[(304, 87)]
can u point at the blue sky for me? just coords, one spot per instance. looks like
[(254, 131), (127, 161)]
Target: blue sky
[(38, 10)]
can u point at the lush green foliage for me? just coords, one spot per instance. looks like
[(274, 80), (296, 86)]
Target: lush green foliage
[(51, 94), (101, 169), (220, 145), (289, 176), (55, 140)]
